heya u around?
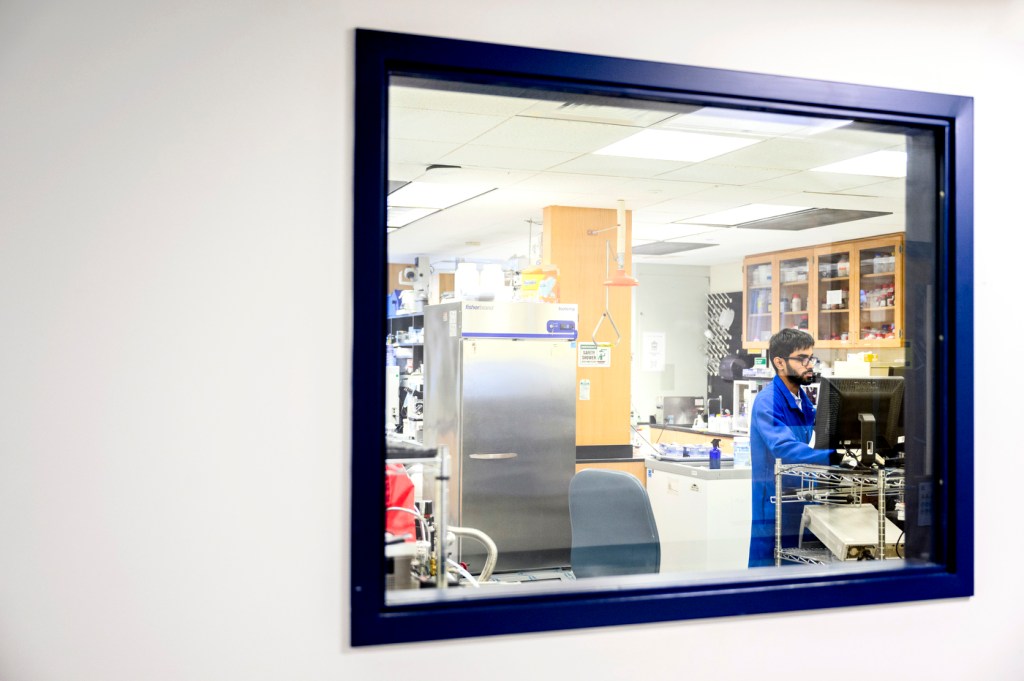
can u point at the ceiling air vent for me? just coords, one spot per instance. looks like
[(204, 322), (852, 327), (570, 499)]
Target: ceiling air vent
[(810, 218)]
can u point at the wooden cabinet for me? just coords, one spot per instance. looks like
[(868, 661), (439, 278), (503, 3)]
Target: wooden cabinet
[(634, 467), (880, 284), (758, 293), (834, 303), (796, 290), (846, 295)]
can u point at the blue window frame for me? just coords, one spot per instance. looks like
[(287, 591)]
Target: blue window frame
[(949, 122)]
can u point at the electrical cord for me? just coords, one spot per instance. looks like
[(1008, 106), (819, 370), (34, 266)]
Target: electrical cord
[(651, 444)]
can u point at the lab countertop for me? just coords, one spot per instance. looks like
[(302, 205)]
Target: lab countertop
[(695, 431), (699, 469), (615, 460)]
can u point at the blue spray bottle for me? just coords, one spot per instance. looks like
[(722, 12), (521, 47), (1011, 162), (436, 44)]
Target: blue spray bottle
[(715, 460)]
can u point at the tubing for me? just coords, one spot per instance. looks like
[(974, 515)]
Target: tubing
[(492, 549)]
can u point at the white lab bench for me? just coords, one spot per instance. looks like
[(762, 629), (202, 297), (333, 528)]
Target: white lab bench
[(703, 515)]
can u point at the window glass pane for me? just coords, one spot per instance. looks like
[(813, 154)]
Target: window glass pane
[(583, 297)]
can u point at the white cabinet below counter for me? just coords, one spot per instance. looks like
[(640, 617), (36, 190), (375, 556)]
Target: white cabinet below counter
[(703, 515)]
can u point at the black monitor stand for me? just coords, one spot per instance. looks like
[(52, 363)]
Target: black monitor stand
[(867, 439)]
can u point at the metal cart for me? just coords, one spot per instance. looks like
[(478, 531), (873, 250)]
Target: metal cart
[(832, 486)]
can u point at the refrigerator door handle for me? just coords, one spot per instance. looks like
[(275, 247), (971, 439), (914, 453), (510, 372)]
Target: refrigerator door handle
[(491, 457)]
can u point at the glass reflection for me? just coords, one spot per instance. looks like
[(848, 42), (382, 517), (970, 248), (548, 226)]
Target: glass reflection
[(592, 429)]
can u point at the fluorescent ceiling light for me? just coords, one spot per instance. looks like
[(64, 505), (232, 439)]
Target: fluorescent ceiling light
[(399, 216), (878, 163), (673, 145), (738, 216), (758, 122), (434, 195)]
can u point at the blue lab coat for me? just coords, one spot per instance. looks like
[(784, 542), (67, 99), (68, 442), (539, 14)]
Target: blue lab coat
[(778, 430)]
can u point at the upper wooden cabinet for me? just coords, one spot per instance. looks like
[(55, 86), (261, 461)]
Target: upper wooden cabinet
[(759, 292), (846, 295), (880, 285)]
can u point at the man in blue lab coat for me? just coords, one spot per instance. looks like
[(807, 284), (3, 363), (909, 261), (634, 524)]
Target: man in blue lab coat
[(781, 426)]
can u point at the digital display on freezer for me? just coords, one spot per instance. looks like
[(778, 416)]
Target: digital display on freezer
[(561, 326)]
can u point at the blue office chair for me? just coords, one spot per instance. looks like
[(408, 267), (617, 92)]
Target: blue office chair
[(613, 528)]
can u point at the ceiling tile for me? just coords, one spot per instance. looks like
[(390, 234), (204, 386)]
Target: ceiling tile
[(572, 182), (618, 165), (821, 200), (597, 113), (512, 158), (797, 153), (495, 144), (667, 247), (896, 188), (492, 177), (724, 174), (729, 196), (438, 126), (670, 231), (553, 135), (464, 102), (812, 181), (418, 151)]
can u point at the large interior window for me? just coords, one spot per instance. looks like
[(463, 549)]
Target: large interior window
[(645, 345)]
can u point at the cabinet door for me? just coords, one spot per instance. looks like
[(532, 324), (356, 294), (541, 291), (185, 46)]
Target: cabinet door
[(758, 285), (795, 291), (833, 303), (880, 291)]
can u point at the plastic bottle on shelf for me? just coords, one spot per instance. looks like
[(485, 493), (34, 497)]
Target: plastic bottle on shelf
[(741, 452), (797, 303), (844, 267), (715, 457)]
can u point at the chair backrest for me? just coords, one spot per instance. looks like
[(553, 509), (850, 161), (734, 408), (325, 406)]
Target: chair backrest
[(613, 528)]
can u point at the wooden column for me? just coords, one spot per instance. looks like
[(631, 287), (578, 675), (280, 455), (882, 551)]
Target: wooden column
[(603, 420)]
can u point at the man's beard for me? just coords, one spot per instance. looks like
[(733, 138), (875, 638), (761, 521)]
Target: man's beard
[(803, 378)]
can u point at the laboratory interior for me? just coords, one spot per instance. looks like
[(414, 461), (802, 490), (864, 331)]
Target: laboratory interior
[(581, 293)]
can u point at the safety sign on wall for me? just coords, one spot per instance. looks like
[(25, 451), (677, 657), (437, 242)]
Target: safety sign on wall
[(595, 355), (653, 352)]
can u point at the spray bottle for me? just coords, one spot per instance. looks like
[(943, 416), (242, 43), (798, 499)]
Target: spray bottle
[(715, 460)]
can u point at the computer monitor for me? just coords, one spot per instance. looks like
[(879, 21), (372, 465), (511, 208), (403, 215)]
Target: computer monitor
[(860, 413)]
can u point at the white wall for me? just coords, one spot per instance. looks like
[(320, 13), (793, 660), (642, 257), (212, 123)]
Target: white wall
[(175, 325), (726, 278), (673, 300)]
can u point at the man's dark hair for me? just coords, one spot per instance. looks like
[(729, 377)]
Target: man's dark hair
[(785, 342)]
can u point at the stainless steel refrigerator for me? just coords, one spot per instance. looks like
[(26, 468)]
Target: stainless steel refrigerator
[(500, 392)]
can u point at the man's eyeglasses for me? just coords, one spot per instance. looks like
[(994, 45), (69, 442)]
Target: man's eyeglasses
[(805, 360)]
